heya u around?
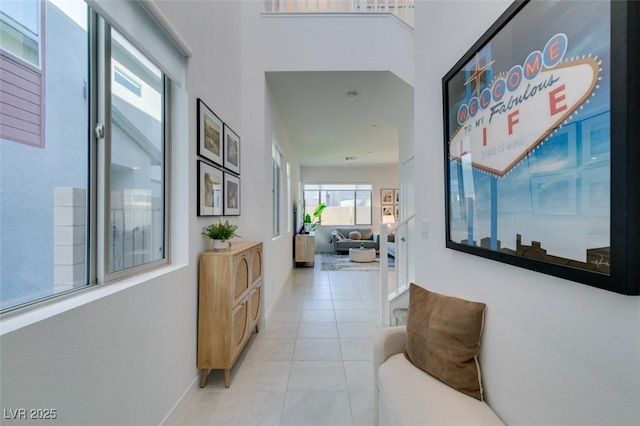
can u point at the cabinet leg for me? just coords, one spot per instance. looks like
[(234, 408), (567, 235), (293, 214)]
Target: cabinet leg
[(203, 377), (227, 377)]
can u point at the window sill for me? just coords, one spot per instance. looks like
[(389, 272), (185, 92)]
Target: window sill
[(20, 318)]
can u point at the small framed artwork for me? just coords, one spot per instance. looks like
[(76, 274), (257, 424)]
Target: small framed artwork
[(387, 211), (209, 134), (231, 150), (396, 196), (386, 196), (396, 213), (231, 195), (209, 190)]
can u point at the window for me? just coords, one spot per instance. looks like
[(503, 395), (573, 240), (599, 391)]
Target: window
[(127, 82), (20, 29), (85, 210), (289, 217), (22, 72), (136, 176), (277, 160), (347, 204)]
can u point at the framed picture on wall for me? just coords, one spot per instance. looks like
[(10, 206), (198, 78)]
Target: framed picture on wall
[(540, 165), (386, 196), (209, 190), (231, 150), (209, 134), (396, 196), (387, 211), (231, 195)]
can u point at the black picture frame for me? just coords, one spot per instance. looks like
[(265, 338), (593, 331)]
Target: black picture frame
[(210, 189), (231, 150), (474, 144), (231, 194), (210, 131)]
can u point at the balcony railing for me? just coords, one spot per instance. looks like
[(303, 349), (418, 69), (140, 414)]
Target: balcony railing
[(403, 9)]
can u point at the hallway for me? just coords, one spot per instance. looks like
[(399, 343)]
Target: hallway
[(311, 363)]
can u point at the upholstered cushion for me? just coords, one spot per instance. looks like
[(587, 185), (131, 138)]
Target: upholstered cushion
[(355, 235), (366, 234), (410, 397), (443, 338)]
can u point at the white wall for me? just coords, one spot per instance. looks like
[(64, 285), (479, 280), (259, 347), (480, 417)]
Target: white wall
[(554, 352), (280, 252), (128, 356), (302, 43), (379, 177)]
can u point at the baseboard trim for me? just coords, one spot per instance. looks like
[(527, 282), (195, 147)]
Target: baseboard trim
[(181, 403)]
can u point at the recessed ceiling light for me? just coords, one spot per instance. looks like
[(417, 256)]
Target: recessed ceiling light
[(352, 95)]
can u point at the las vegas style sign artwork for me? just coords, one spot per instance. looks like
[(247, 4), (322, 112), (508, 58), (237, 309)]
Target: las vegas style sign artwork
[(528, 138), (507, 120)]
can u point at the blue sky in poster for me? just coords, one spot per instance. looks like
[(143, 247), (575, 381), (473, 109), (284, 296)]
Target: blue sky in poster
[(558, 195)]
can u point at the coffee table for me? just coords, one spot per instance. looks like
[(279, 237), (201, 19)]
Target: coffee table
[(362, 255)]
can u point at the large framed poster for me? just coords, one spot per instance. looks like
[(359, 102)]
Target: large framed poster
[(540, 158)]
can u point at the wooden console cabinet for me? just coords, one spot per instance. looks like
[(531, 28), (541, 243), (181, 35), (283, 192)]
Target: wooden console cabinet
[(305, 248), (229, 299)]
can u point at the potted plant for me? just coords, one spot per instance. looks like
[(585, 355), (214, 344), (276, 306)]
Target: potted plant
[(220, 233), (307, 224), (317, 213)]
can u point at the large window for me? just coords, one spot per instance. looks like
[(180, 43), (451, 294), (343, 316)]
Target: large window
[(276, 178), (90, 206), (347, 204), (136, 199)]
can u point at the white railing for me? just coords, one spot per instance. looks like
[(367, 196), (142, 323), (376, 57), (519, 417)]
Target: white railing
[(403, 9), (400, 280)]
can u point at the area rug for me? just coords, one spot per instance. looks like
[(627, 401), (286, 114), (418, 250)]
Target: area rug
[(341, 262)]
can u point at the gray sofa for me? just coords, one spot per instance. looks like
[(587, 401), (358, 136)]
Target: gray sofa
[(342, 243)]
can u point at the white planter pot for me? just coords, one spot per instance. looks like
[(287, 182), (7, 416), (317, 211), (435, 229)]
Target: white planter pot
[(220, 245)]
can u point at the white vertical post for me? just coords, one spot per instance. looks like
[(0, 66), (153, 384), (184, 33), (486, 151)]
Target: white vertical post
[(384, 276)]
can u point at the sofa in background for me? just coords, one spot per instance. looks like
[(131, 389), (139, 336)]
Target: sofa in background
[(342, 241)]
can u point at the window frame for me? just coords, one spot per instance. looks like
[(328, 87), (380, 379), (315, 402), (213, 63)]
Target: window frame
[(103, 156), (99, 92), (355, 189)]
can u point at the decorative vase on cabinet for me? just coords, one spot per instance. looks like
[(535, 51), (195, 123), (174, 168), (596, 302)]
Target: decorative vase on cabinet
[(229, 299)]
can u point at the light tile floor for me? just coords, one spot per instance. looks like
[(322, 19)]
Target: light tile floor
[(311, 363)]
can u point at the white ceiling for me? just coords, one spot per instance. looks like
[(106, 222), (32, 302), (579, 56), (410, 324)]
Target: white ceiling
[(325, 125)]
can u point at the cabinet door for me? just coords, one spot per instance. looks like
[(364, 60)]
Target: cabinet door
[(239, 318), (256, 264), (240, 277), (254, 305)]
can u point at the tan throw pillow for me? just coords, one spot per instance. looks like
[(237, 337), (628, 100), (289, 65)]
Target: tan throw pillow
[(443, 338), (354, 235)]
